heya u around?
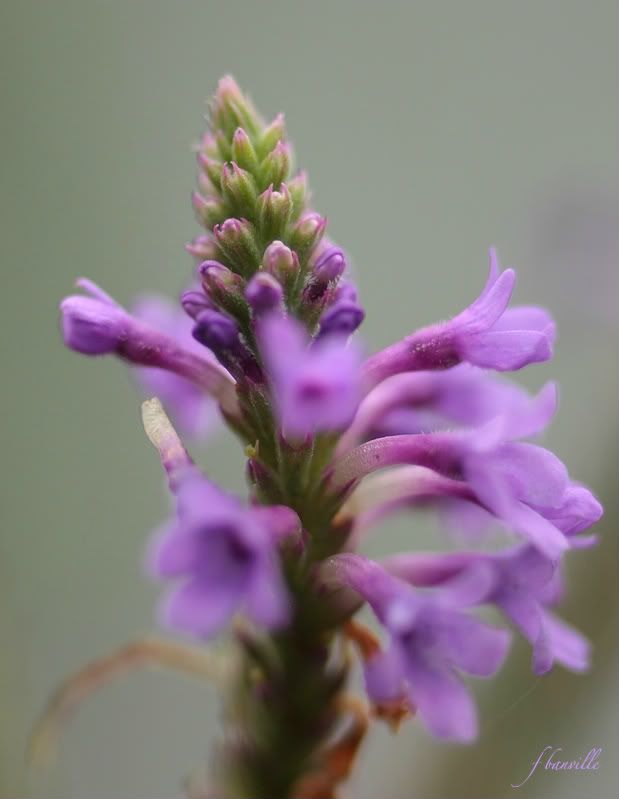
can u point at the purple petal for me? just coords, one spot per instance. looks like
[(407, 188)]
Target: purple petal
[(268, 603), (383, 676), (199, 609), (527, 317), (474, 647), (524, 612), (442, 700), (173, 551), (560, 642), (491, 303), (506, 350), (91, 326)]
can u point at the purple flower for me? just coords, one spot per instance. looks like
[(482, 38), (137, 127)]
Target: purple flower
[(97, 325), (222, 557), (486, 334), (519, 581), (193, 411), (415, 402), (432, 640), (316, 388), (522, 484)]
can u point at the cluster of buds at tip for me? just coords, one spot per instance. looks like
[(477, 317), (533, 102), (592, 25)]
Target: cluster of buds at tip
[(264, 250)]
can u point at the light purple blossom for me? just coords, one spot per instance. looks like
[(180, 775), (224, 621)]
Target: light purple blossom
[(222, 558), (521, 584), (97, 325), (485, 334), (431, 640), (316, 387), (415, 402), (520, 483)]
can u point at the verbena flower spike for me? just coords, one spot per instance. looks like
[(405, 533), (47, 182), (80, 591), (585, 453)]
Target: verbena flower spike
[(265, 331)]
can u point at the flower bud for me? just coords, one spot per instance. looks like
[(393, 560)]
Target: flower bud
[(219, 281), (243, 151), (194, 302), (327, 269), (202, 248), (281, 262), (276, 166), (238, 188), (272, 135), (342, 319), (330, 265), (208, 145), (307, 233), (211, 168), (299, 191), (209, 211), (216, 330), (264, 293), (230, 109), (274, 208), (237, 243)]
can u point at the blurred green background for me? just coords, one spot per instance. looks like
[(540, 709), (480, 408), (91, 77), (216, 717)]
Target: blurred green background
[(430, 131)]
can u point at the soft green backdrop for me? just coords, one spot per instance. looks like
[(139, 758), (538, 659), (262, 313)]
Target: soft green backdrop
[(430, 131)]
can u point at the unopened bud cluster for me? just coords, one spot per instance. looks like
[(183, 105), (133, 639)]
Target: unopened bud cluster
[(264, 250)]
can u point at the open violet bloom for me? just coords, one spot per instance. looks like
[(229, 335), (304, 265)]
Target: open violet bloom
[(336, 442)]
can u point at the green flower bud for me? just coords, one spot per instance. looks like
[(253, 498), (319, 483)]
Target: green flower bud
[(300, 193), (273, 211), (236, 240), (281, 262), (243, 151), (276, 166), (238, 189), (231, 109), (210, 211), (211, 168), (271, 136), (307, 233)]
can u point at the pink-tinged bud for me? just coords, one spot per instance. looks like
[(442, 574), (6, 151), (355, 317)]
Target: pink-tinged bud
[(272, 135), (208, 145), (330, 265), (307, 233), (219, 281), (264, 293), (238, 189), (211, 168), (243, 151), (237, 241), (230, 109), (280, 261), (299, 191), (274, 209), (209, 211), (202, 248), (194, 302), (276, 166)]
